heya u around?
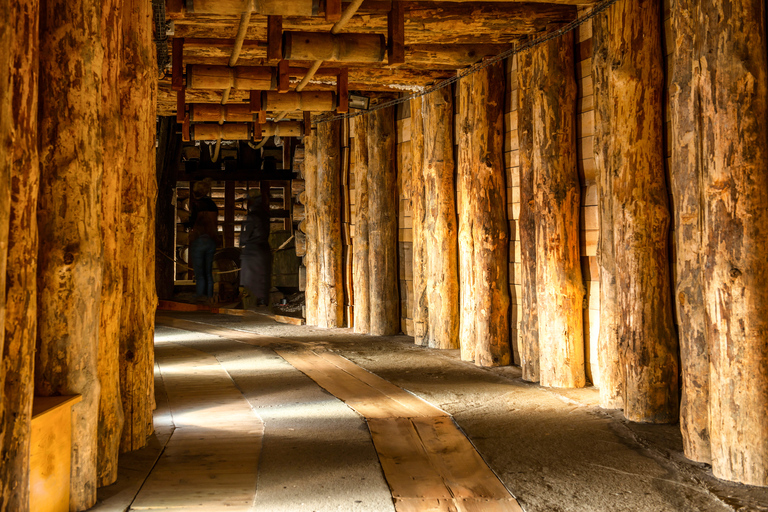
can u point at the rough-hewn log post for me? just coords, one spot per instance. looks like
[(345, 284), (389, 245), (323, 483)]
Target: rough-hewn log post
[(362, 323), (483, 238), (686, 188), (311, 259), (330, 283), (735, 187), (382, 223), (611, 367), (441, 233), (420, 255), (529, 322), (167, 161), (137, 92), (635, 169), (19, 179), (70, 253), (560, 290), (110, 405)]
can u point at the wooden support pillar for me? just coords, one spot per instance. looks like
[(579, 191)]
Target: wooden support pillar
[(138, 193), (342, 91), (483, 238), (330, 283), (529, 322), (70, 252), (360, 244), (686, 174), (635, 175), (112, 131), (420, 255), (19, 179), (167, 162), (311, 258), (229, 213), (560, 290), (382, 224), (440, 231), (734, 149)]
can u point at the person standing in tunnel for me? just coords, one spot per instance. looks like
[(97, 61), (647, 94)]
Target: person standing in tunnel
[(255, 253), (203, 237)]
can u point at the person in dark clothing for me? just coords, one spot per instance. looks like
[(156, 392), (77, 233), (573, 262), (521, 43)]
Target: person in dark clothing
[(255, 253), (202, 238)]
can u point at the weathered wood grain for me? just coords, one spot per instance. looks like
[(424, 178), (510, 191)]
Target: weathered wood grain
[(421, 248), (310, 260), (360, 244)]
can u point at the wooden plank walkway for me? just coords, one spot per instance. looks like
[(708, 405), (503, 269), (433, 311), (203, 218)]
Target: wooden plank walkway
[(428, 462)]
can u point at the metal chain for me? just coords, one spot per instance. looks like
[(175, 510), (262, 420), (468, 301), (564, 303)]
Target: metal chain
[(477, 67)]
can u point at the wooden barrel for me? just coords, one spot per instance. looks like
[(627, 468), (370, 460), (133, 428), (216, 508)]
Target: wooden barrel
[(334, 47), (309, 101), (247, 78), (281, 129)]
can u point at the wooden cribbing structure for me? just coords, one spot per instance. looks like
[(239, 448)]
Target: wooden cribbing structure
[(686, 175), (327, 204), (384, 299), (334, 47), (634, 168), (483, 239), (70, 255), (735, 190), (360, 245), (311, 101), (560, 290), (435, 254), (249, 78), (19, 181)]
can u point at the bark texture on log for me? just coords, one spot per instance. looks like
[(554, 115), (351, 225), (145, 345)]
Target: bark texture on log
[(330, 282), (529, 322), (19, 180), (611, 367), (360, 244), (311, 259), (483, 238), (441, 233), (560, 289), (686, 177), (137, 241), (420, 310), (635, 168), (70, 253), (382, 224), (735, 188), (112, 132)]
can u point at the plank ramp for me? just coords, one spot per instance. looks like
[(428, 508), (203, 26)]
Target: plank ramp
[(428, 462)]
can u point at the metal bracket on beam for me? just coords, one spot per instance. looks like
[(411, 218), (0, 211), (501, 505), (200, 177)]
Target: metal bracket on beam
[(283, 76), (332, 10), (274, 38), (177, 64), (342, 91), (181, 105), (307, 124), (259, 115)]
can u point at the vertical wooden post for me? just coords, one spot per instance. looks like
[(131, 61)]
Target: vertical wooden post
[(360, 245), (110, 406), (70, 255), (138, 192), (311, 259), (382, 223), (229, 213), (330, 293), (560, 290), (611, 367), (483, 238), (420, 310), (19, 180), (735, 188), (636, 175), (167, 162), (529, 323), (686, 177), (441, 233)]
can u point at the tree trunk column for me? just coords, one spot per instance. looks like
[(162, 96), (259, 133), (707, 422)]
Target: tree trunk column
[(330, 284), (635, 168), (735, 188), (138, 94), (483, 239), (70, 255), (382, 223), (419, 206), (560, 289), (311, 258), (529, 323), (442, 279), (19, 181), (686, 177), (360, 244)]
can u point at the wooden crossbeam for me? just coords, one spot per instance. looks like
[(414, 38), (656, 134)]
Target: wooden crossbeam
[(274, 38)]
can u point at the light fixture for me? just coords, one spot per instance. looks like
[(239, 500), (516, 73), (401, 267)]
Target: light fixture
[(359, 102)]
